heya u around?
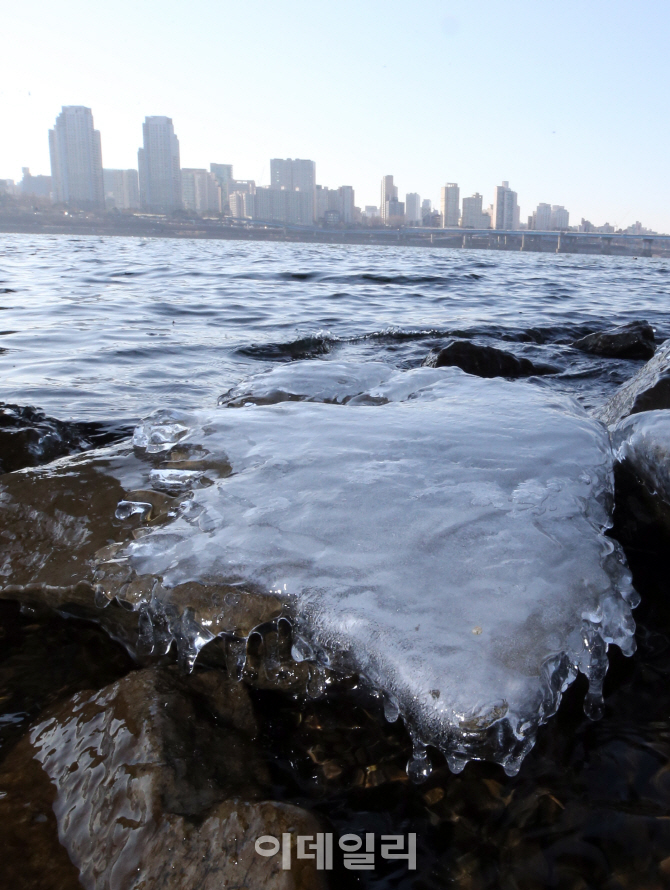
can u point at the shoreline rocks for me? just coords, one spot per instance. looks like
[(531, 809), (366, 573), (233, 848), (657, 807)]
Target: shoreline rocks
[(484, 361), (648, 390), (153, 781), (635, 341)]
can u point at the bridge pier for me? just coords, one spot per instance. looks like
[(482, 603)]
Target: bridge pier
[(565, 244), (646, 246), (606, 244)]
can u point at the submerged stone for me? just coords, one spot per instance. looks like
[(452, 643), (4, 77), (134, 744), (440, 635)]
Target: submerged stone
[(438, 534), (634, 340), (153, 781), (648, 390)]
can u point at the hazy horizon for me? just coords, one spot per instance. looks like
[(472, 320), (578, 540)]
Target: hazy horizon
[(564, 102)]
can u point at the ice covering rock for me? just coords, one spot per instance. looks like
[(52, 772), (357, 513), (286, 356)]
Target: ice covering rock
[(440, 534), (648, 390), (643, 441)]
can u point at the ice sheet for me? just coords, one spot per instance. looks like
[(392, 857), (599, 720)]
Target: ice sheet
[(440, 534)]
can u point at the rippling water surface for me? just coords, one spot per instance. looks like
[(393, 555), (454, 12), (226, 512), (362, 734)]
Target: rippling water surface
[(96, 328)]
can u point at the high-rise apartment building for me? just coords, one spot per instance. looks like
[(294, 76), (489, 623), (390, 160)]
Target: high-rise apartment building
[(347, 203), (412, 208), (76, 159), (290, 206), (540, 221), (450, 205), (335, 204), (473, 216), (122, 189), (505, 209), (224, 176), (560, 218), (389, 193), (200, 191), (159, 168), (295, 174)]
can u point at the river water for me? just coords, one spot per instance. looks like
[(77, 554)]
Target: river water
[(109, 330)]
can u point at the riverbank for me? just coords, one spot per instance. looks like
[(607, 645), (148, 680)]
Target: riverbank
[(56, 222)]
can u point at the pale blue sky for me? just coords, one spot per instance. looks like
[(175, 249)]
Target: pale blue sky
[(567, 100)]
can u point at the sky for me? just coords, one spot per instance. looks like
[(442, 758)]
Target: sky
[(568, 100)]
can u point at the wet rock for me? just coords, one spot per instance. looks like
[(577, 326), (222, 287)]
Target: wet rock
[(152, 782), (484, 361), (648, 390), (641, 444), (634, 340), (61, 527), (29, 438)]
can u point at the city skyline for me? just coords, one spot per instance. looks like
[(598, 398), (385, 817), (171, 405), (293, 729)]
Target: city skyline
[(469, 94), (160, 185)]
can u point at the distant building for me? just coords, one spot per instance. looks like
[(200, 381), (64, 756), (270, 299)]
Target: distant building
[(76, 159), (347, 202), (35, 186), (395, 212), (8, 187), (450, 205), (560, 218), (295, 174), (293, 207), (122, 189), (340, 201), (224, 176), (412, 208), (540, 221), (241, 204), (389, 192), (505, 209), (200, 191), (426, 208), (473, 216), (370, 212), (159, 167), (432, 220)]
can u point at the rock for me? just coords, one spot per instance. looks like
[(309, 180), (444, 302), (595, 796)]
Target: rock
[(648, 390), (29, 438), (634, 340), (152, 782), (62, 525), (641, 444), (484, 361)]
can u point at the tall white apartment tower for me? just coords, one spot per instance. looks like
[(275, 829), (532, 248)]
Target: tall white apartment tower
[(412, 208), (389, 193), (450, 205), (159, 168), (76, 159), (505, 209), (294, 174)]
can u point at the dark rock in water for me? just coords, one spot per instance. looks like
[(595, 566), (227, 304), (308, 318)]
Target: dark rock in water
[(484, 361), (155, 781), (648, 390), (634, 340), (29, 438)]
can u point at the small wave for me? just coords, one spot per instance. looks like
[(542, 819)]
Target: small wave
[(304, 347)]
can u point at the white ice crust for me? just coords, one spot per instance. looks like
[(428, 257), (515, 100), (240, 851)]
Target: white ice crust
[(643, 440), (439, 533)]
